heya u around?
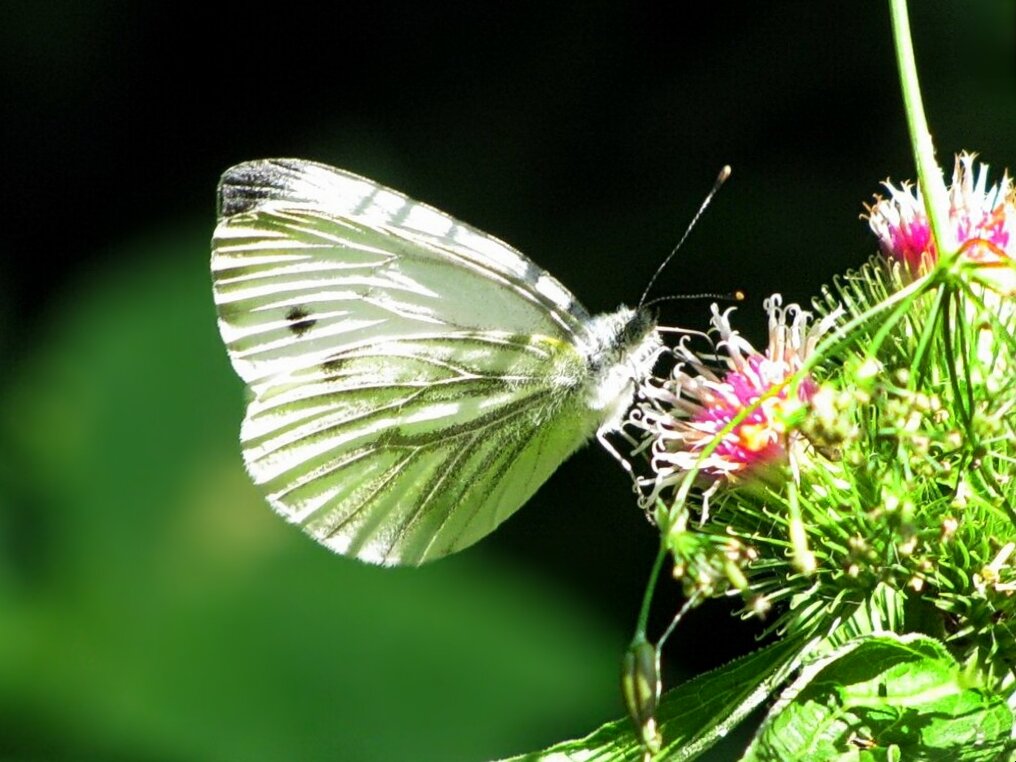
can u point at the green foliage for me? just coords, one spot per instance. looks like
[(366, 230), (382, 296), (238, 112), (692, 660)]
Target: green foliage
[(885, 697), (692, 716), (904, 472), (894, 514)]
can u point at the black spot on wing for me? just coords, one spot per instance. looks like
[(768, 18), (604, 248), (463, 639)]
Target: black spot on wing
[(333, 365), (299, 320)]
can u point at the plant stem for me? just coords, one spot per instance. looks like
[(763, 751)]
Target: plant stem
[(933, 190), (647, 597)]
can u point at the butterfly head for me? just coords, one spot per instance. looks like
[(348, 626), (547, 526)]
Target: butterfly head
[(625, 346)]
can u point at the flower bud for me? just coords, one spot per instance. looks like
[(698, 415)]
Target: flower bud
[(640, 686)]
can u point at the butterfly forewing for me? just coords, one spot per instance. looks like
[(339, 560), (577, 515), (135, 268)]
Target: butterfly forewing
[(314, 258), (415, 380)]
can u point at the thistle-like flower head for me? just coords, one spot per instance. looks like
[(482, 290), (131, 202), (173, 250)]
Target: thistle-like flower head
[(983, 221), (729, 412)]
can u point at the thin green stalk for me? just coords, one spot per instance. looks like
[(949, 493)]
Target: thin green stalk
[(647, 597), (927, 336), (900, 301), (987, 474), (1001, 330), (958, 327), (933, 190), (950, 357), (903, 309)]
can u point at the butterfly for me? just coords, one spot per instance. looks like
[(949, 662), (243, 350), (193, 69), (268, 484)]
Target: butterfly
[(413, 380)]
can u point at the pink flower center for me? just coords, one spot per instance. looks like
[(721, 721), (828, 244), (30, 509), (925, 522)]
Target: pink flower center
[(759, 437), (911, 240), (983, 220)]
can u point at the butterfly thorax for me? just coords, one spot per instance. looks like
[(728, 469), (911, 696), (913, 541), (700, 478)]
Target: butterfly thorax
[(623, 348)]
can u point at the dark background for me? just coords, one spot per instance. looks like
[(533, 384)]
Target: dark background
[(151, 607)]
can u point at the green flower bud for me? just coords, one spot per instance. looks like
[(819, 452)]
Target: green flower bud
[(640, 686)]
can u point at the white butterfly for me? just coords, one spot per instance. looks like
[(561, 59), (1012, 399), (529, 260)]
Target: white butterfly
[(414, 380)]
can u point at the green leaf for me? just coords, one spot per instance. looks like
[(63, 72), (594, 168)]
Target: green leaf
[(693, 716), (885, 697)]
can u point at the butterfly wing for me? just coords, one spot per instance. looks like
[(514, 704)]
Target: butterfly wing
[(414, 379)]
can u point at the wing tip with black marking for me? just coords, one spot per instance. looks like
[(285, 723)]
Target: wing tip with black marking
[(244, 187)]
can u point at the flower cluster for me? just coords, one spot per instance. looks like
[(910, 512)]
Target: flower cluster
[(982, 220), (884, 456), (728, 413)]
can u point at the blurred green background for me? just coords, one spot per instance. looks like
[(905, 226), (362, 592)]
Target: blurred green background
[(151, 606)]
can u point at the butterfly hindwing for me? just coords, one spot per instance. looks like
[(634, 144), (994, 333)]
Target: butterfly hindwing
[(414, 379), (407, 450)]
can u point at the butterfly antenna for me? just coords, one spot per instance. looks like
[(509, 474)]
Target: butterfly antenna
[(731, 296), (720, 179)]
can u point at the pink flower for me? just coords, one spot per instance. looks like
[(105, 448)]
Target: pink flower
[(983, 221), (683, 415)]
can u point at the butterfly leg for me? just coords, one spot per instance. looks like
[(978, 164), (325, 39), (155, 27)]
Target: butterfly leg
[(601, 435)]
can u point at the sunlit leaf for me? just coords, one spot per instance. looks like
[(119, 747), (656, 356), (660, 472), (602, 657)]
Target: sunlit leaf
[(882, 696), (692, 717)]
